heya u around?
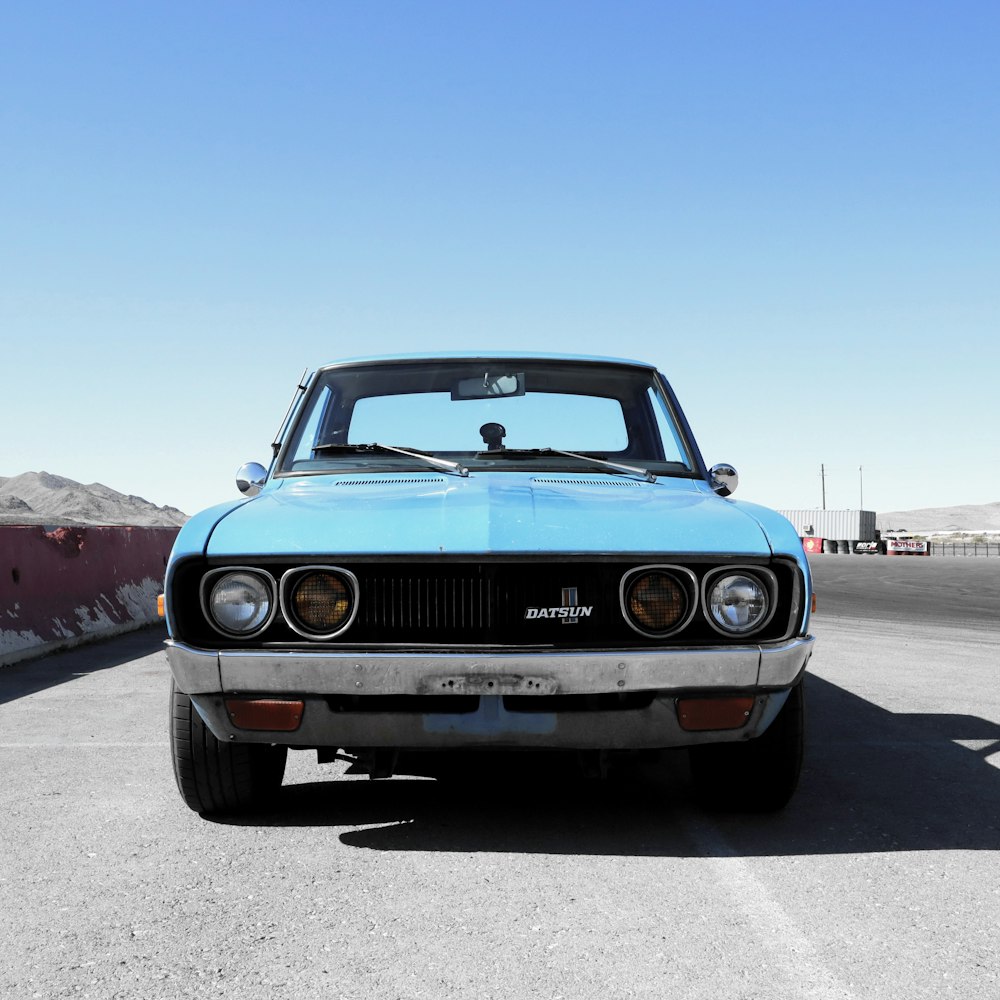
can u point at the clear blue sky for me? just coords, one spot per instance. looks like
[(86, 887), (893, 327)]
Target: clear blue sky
[(793, 209)]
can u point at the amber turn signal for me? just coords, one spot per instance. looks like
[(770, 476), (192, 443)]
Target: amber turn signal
[(698, 714), (160, 609), (271, 714)]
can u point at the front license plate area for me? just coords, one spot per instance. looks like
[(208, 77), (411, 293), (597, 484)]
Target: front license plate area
[(491, 684)]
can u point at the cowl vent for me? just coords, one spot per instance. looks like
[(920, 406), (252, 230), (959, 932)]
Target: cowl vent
[(390, 481), (618, 483)]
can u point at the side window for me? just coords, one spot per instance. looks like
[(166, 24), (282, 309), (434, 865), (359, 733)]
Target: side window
[(673, 448), (308, 430)]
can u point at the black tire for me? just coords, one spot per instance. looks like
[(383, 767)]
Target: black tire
[(216, 778), (760, 775)]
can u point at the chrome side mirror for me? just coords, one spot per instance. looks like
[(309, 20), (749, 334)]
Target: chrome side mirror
[(250, 478), (724, 479)]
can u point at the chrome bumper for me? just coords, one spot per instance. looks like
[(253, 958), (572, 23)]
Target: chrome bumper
[(767, 672), (744, 668)]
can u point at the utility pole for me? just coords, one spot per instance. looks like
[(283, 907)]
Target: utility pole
[(822, 477)]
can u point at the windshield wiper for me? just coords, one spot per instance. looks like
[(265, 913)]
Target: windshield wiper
[(439, 463), (628, 470)]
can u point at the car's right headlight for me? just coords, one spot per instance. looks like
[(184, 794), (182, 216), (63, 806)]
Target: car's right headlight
[(240, 602)]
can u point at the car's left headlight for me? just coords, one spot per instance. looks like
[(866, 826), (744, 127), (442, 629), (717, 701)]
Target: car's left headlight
[(738, 602)]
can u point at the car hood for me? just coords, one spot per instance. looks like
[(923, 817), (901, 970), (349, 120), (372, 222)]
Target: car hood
[(491, 513)]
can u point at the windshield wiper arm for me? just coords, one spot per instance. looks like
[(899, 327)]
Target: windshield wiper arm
[(628, 470), (439, 463)]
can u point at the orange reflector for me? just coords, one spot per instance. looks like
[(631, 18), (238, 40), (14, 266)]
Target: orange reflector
[(272, 714), (160, 610), (814, 604), (696, 714)]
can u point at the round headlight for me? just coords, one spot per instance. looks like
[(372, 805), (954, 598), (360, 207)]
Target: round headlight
[(240, 603), (321, 602), (655, 601), (738, 603)]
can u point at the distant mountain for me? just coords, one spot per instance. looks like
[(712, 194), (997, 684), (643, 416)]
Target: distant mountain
[(932, 520), (41, 498)]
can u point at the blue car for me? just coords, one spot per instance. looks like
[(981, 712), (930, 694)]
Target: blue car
[(483, 552)]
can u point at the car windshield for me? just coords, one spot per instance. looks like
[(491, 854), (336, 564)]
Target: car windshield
[(471, 415)]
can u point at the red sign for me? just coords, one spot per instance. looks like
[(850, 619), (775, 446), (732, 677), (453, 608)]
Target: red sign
[(812, 544)]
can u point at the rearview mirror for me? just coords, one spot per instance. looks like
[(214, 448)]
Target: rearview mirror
[(486, 386)]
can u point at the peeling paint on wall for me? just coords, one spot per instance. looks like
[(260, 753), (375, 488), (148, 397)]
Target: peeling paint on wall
[(59, 629), (60, 586), (16, 642), (139, 599)]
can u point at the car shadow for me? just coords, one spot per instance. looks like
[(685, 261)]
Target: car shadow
[(874, 781), (27, 677)]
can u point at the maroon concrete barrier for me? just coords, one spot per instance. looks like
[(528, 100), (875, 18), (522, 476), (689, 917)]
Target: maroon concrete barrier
[(63, 586)]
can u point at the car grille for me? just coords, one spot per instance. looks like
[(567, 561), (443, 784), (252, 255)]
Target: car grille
[(484, 603), (467, 604), (417, 602)]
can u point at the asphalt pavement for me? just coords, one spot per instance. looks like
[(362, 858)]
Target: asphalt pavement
[(880, 880)]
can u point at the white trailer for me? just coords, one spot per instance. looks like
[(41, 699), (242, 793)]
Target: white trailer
[(840, 531)]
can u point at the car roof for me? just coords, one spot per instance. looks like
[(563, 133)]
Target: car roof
[(485, 356)]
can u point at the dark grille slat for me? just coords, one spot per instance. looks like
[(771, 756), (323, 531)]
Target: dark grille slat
[(422, 603)]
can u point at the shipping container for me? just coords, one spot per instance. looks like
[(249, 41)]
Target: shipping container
[(839, 525)]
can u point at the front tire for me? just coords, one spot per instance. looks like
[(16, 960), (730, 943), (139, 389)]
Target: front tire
[(215, 778), (760, 775)]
